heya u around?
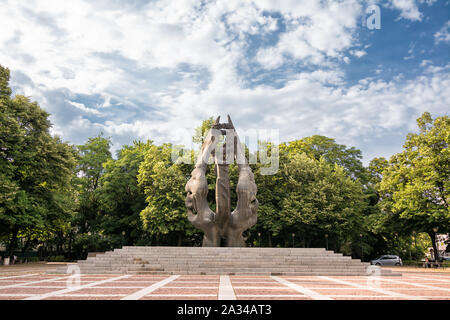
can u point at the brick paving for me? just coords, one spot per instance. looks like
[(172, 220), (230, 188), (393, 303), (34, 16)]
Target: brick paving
[(40, 286)]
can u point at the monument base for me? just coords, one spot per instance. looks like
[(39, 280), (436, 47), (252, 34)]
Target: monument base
[(224, 261)]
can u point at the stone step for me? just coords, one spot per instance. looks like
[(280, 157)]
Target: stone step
[(221, 256), (193, 265), (225, 261), (176, 258), (251, 261), (230, 252), (223, 249)]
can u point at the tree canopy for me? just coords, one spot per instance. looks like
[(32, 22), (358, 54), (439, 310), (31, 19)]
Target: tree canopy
[(35, 168), (416, 183)]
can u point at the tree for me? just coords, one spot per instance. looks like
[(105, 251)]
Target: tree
[(415, 186), (271, 192), (164, 184), (320, 146), (121, 199), (321, 199), (87, 221), (92, 156), (380, 227), (35, 168), (202, 130)]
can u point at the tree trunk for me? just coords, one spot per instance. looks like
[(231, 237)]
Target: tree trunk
[(26, 245), (270, 240), (435, 249), (180, 239), (337, 245), (13, 241), (70, 245)]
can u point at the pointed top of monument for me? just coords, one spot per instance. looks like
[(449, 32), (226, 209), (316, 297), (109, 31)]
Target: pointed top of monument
[(229, 121)]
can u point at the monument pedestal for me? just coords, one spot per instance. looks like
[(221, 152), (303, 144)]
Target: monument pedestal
[(224, 261)]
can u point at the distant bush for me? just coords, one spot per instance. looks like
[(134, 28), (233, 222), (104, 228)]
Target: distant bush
[(56, 259), (31, 259)]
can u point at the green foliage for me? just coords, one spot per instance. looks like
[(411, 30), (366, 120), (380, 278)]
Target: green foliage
[(376, 168), (56, 259), (91, 158), (416, 183), (93, 155), (163, 183), (321, 199), (121, 199), (318, 147), (85, 243), (35, 168), (202, 130), (5, 90)]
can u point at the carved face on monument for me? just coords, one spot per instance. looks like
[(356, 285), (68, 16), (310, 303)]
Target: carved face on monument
[(197, 190)]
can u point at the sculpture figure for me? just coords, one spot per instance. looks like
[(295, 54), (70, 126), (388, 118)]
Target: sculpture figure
[(222, 224)]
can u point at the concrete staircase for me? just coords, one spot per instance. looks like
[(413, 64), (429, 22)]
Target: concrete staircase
[(225, 261)]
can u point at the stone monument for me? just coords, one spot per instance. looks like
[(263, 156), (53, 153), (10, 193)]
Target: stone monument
[(222, 224)]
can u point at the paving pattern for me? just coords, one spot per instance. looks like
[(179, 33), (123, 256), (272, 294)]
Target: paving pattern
[(40, 286)]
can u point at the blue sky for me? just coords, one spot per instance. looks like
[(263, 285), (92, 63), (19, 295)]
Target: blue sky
[(156, 69)]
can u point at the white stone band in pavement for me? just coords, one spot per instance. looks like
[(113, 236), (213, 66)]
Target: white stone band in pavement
[(23, 284), (21, 276), (139, 294), (226, 291), (430, 279), (76, 288), (371, 288), (307, 292), (419, 285)]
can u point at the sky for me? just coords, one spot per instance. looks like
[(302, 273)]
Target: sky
[(154, 69)]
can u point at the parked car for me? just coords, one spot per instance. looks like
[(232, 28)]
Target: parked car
[(387, 260)]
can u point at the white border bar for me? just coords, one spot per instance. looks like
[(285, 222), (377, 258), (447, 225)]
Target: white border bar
[(226, 291), (139, 294)]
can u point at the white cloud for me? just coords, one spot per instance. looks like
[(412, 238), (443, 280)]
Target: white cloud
[(408, 9), (425, 63), (443, 35), (270, 58), (428, 2), (82, 107), (316, 30), (358, 53), (155, 70)]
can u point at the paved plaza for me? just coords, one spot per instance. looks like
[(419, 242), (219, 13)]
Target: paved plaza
[(24, 283)]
